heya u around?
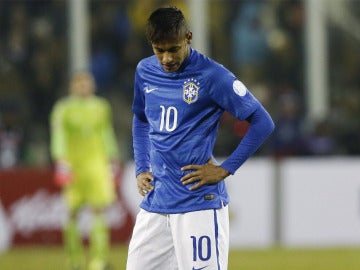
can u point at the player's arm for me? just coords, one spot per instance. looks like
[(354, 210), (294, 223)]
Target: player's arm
[(57, 132), (141, 144), (62, 169), (141, 140), (140, 126), (261, 126), (242, 104)]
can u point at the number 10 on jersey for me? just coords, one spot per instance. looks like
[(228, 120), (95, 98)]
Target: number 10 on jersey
[(168, 118)]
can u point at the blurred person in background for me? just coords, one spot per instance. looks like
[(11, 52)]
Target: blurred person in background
[(288, 138), (11, 137), (85, 155), (249, 41)]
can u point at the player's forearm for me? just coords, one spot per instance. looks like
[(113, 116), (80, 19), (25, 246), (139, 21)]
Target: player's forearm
[(141, 145), (57, 143), (261, 126), (57, 146)]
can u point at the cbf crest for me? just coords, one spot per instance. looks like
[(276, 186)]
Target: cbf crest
[(191, 90)]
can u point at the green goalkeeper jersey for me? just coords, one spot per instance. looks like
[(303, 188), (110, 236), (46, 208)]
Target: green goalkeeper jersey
[(82, 132)]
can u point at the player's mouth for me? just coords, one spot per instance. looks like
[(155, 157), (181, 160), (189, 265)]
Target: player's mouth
[(170, 67)]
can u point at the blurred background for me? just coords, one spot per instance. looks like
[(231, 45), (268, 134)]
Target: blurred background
[(267, 44), (301, 59)]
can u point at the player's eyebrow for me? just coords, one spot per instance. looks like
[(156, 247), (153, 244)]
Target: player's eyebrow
[(171, 49)]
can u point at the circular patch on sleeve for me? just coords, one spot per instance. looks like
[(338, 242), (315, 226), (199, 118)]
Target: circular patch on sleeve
[(239, 88)]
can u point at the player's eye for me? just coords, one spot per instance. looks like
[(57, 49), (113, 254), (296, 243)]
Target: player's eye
[(174, 49)]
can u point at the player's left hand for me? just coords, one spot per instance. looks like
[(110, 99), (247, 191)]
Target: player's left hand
[(206, 174)]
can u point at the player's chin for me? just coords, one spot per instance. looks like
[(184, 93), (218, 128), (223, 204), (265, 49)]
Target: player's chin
[(171, 68)]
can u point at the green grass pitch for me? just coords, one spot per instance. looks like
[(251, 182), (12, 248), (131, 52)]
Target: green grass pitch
[(53, 258)]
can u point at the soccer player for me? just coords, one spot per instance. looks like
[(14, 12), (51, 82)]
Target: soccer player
[(83, 147), (179, 97)]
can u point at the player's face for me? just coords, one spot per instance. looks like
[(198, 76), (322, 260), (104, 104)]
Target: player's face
[(171, 54), (82, 84)]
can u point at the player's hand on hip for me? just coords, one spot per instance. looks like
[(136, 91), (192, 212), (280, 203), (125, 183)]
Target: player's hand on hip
[(206, 174), (144, 182)]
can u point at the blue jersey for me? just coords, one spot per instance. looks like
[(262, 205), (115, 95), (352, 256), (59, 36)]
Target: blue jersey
[(179, 114)]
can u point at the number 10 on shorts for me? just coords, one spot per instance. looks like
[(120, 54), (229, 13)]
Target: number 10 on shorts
[(201, 248)]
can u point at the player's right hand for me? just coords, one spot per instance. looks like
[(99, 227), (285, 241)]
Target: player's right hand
[(144, 182), (62, 173)]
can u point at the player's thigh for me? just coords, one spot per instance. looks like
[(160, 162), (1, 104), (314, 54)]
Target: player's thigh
[(73, 196), (201, 239), (151, 245)]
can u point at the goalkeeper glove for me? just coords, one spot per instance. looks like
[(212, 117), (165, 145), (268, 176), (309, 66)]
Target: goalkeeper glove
[(62, 173)]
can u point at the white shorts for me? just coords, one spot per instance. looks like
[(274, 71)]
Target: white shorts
[(188, 241)]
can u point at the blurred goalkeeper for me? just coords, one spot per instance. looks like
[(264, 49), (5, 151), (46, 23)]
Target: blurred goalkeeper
[(85, 155)]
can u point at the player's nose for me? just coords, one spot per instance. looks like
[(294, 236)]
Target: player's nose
[(167, 58)]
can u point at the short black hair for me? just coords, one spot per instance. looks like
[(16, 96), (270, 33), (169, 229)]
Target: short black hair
[(166, 24)]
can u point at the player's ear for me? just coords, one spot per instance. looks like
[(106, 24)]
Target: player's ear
[(188, 37)]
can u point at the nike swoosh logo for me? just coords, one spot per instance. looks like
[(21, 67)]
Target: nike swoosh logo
[(148, 90), (199, 268)]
